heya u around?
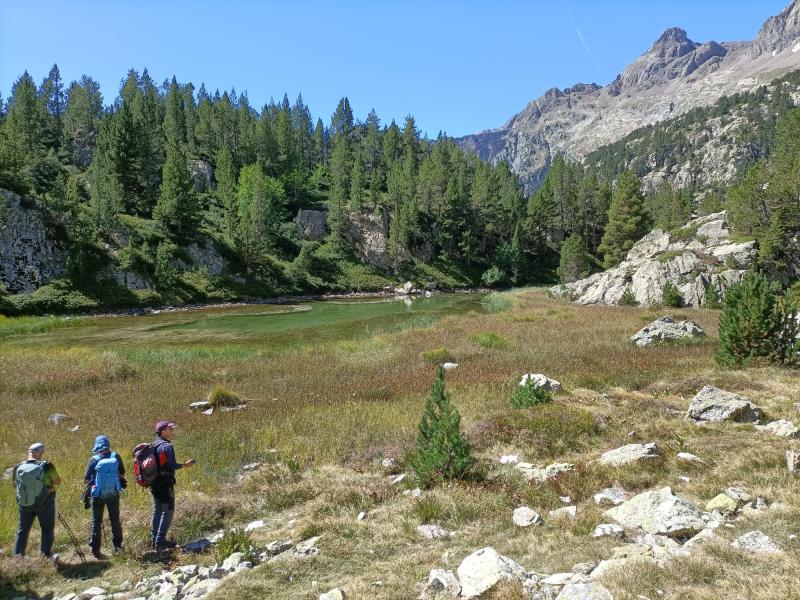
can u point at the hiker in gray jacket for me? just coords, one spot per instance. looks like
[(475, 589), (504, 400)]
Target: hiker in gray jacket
[(35, 481)]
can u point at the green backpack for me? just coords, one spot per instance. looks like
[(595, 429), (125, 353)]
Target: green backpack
[(30, 483)]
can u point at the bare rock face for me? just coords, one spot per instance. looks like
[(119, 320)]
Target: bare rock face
[(698, 256), (672, 77), (369, 234), (202, 174), (29, 255), (312, 224), (483, 569), (713, 404)]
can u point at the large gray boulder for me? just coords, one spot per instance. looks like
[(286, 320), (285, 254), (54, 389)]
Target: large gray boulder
[(713, 404), (631, 453), (312, 224), (756, 542), (666, 329), (781, 428), (585, 591), (368, 232), (659, 512), (697, 257), (483, 569)]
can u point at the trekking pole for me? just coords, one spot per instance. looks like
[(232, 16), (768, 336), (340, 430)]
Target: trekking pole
[(75, 542)]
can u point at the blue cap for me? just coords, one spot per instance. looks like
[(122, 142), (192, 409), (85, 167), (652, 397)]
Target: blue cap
[(101, 443)]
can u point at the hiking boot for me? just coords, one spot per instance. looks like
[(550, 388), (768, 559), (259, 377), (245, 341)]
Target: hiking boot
[(169, 544), (97, 554), (55, 558), (119, 549)]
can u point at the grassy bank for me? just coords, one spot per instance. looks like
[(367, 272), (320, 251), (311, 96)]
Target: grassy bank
[(325, 414)]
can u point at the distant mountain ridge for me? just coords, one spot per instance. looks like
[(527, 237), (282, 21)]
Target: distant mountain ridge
[(672, 77)]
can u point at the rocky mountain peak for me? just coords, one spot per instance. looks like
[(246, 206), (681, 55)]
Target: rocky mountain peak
[(674, 36), (778, 32)]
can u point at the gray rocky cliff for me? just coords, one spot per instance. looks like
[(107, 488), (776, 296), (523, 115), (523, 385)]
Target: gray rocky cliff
[(675, 75), (700, 255)]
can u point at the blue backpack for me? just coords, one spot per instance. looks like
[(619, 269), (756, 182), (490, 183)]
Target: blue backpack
[(106, 476)]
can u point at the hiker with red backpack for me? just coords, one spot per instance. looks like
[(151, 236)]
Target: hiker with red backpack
[(105, 479), (154, 467), (35, 481)]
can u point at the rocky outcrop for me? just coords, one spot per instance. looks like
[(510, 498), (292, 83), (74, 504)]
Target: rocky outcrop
[(369, 234), (484, 568), (30, 255), (666, 329), (312, 224), (202, 174), (699, 255), (659, 512), (712, 404), (672, 77)]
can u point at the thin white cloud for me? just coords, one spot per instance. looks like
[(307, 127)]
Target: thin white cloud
[(582, 39)]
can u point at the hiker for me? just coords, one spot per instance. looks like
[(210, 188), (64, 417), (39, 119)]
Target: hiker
[(35, 480), (104, 480), (163, 486)]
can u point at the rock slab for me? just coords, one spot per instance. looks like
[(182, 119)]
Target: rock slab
[(484, 568), (712, 404), (666, 329), (659, 512)]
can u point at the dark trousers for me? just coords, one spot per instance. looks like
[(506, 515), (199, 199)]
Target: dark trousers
[(98, 505), (163, 510), (46, 514)]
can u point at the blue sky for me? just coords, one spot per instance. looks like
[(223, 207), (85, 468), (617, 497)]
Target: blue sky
[(456, 66)]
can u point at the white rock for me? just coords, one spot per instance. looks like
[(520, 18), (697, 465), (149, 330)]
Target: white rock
[(433, 532), (701, 538), (509, 459), (199, 406), (209, 412), (233, 561), (441, 584), (484, 568), (398, 479), (91, 593), (525, 517), (542, 474), (415, 493), (565, 499), (756, 542), (660, 512), (611, 530), (334, 594), (666, 329), (558, 579), (253, 525), (201, 589), (614, 495), (251, 466), (781, 428), (793, 461), (630, 453), (76, 428), (541, 381), (449, 366), (714, 404), (56, 418), (585, 591), (688, 457), (387, 463), (566, 512)]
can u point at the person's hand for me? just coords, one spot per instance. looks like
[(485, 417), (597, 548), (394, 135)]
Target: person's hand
[(189, 463)]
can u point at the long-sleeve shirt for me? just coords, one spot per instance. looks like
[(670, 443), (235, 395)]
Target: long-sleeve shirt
[(166, 457)]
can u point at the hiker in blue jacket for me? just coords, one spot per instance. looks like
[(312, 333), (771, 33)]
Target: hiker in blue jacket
[(105, 479), (163, 487)]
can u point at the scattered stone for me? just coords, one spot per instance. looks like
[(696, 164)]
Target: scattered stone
[(509, 459), (701, 538), (565, 499), (565, 512), (756, 542), (7, 473), (433, 532), (233, 561), (209, 412), (660, 512), (608, 530), (398, 479), (251, 466), (199, 406), (233, 408), (482, 569), (91, 593), (558, 579), (542, 474), (666, 329), (307, 548), (684, 479), (585, 591), (56, 418), (630, 454), (792, 461), (415, 493), (723, 503), (781, 428), (713, 404), (614, 495), (76, 428), (525, 517), (201, 589), (441, 584), (688, 457), (388, 463), (200, 545), (449, 366), (541, 381)]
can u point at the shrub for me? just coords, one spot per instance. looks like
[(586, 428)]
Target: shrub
[(493, 276), (712, 300), (755, 322), (489, 339), (58, 296), (671, 295), (574, 261), (628, 298), (220, 396), (235, 540), (436, 355), (442, 452), (497, 302), (530, 394)]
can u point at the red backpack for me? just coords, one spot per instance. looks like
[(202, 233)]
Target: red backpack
[(145, 463)]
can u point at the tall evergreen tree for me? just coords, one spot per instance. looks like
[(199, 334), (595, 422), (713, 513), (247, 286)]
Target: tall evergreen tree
[(627, 220), (226, 189), (574, 263), (260, 200), (176, 208)]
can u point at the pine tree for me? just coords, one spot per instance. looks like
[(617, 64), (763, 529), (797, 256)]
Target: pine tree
[(627, 221), (226, 189), (81, 120), (671, 295), (712, 301), (176, 208), (260, 201), (574, 263), (442, 453), (753, 324)]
